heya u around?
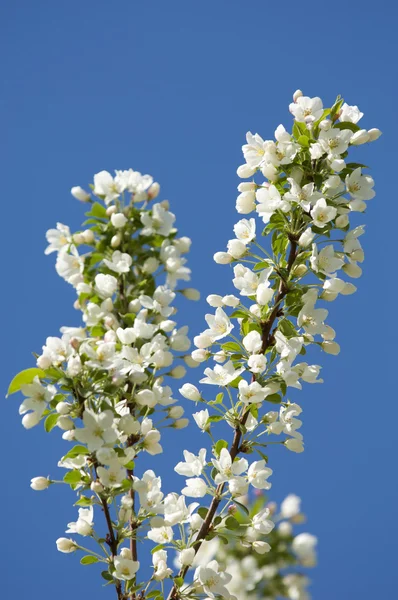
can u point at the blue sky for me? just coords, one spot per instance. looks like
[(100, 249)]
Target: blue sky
[(171, 89)]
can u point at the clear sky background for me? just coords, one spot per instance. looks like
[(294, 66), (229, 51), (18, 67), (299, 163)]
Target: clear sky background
[(170, 88)]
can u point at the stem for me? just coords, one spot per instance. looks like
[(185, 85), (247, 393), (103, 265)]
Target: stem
[(236, 442), (112, 543)]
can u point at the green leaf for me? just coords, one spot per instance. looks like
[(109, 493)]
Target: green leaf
[(107, 576), (23, 378), (88, 560), (97, 210), (219, 446), (153, 594), (260, 265), (76, 451), (303, 141), (84, 501), (287, 328), (219, 398), (156, 548), (347, 125), (215, 418), (238, 314), (231, 523), (231, 347), (242, 506), (274, 398), (51, 422), (73, 477), (202, 512)]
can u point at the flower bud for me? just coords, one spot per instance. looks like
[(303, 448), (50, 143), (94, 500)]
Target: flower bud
[(191, 293), (285, 529), (297, 94), (261, 547), (88, 236), (150, 265), (190, 392), (270, 172), (181, 423), (80, 194), (245, 202), (200, 355), (178, 372), (110, 210), (176, 412), (374, 134), (78, 238), (44, 362), (214, 300), (190, 362), (40, 483), (245, 171), (118, 220), (186, 556), (306, 238), (222, 258), (325, 125), (65, 423), (30, 420), (342, 221), (294, 445), (97, 487), (202, 341), (116, 241), (352, 270), (360, 137), (331, 347), (63, 408), (66, 545), (153, 190), (299, 270)]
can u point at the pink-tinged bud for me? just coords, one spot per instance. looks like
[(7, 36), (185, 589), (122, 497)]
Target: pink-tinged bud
[(297, 94), (232, 509), (374, 134), (80, 194), (325, 125), (153, 190)]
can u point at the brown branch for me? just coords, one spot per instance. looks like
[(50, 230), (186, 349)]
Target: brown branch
[(112, 542), (266, 327)]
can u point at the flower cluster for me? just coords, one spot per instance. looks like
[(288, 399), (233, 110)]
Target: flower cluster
[(104, 384), (278, 573), (258, 336)]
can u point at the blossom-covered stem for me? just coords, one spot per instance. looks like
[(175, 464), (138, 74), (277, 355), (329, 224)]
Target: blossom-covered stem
[(266, 327)]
